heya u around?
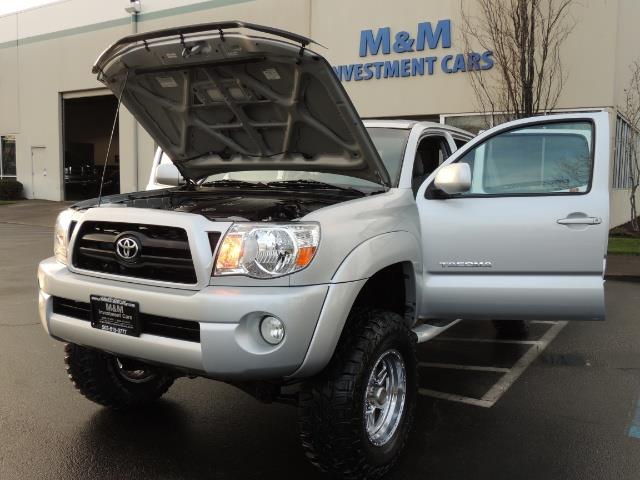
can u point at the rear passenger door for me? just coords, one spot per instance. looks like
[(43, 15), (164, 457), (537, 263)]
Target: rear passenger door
[(528, 239)]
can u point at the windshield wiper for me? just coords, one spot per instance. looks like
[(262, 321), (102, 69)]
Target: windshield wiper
[(233, 183), (312, 184)]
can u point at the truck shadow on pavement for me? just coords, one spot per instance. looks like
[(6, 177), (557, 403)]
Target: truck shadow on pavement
[(166, 441)]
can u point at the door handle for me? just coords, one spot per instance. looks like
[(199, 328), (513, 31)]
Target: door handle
[(580, 221)]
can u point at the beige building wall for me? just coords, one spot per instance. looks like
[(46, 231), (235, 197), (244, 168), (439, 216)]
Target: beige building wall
[(627, 51), (588, 58), (628, 46), (9, 114), (620, 206), (48, 52)]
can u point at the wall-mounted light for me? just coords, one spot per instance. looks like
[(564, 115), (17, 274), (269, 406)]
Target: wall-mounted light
[(134, 7)]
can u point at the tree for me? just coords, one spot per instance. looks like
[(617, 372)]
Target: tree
[(525, 37), (631, 141)]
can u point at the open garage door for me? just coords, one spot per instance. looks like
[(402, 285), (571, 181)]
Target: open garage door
[(87, 123)]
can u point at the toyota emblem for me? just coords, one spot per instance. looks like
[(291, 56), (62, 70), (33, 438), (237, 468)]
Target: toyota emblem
[(128, 248)]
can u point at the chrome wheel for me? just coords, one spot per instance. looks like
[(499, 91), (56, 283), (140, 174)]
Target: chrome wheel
[(134, 376), (385, 397)]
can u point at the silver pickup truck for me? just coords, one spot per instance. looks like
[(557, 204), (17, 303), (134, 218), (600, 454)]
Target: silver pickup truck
[(306, 253)]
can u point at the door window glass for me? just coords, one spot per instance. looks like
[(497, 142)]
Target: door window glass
[(7, 156), (431, 152), (542, 159)]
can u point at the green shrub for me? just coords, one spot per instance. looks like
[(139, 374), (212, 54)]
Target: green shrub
[(10, 189)]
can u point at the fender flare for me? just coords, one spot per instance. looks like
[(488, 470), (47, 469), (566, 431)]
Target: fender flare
[(363, 262), (379, 252)]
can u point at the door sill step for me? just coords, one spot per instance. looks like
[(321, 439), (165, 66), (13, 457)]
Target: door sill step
[(426, 331)]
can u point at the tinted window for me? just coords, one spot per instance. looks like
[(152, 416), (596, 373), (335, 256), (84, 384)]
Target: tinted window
[(7, 156), (554, 158)]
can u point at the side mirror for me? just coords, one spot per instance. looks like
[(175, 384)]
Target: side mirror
[(168, 174), (453, 178)]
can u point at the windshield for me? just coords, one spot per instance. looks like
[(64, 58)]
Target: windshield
[(271, 176), (390, 143)]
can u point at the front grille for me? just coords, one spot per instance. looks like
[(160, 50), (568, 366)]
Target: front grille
[(164, 254), (151, 324)]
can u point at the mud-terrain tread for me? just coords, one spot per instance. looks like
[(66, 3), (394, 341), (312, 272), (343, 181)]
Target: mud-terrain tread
[(93, 374), (330, 428)]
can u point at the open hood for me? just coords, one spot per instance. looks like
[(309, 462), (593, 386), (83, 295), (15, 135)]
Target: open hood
[(218, 101)]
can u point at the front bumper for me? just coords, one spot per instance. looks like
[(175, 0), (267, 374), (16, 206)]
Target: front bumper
[(230, 345)]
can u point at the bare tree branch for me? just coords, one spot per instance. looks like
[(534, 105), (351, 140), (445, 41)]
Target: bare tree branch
[(525, 37), (631, 142)]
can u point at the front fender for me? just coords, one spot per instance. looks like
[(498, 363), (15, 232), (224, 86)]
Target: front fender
[(362, 263), (377, 253)]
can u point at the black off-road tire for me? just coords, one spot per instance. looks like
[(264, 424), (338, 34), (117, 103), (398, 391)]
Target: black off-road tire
[(511, 328), (331, 407), (96, 375)]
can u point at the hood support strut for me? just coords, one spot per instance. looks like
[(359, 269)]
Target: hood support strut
[(113, 129)]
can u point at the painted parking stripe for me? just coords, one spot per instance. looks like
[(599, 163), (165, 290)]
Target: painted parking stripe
[(455, 366), (455, 398), (494, 394), (510, 375)]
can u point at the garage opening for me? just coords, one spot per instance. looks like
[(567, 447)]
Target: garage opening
[(87, 123)]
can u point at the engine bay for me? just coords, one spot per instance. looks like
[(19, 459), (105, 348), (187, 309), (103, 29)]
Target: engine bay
[(224, 204)]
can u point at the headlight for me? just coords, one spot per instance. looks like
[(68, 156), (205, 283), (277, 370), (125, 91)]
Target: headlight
[(61, 235), (261, 250)]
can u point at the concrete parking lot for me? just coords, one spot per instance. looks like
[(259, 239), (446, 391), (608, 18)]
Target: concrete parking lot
[(562, 403)]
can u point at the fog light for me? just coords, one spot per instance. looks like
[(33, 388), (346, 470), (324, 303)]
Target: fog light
[(272, 330)]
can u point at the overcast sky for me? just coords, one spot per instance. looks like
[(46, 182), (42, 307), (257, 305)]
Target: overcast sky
[(10, 6)]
